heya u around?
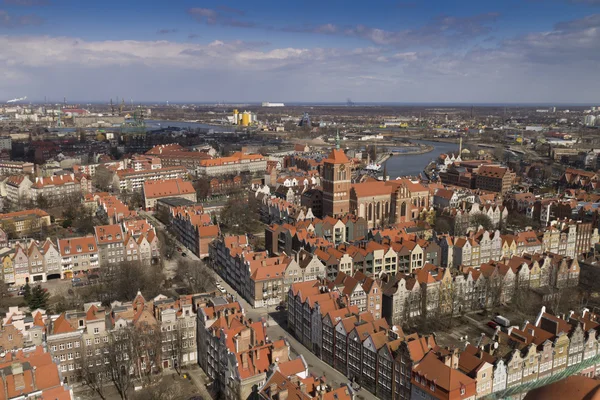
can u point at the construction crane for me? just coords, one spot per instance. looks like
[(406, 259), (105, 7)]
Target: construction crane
[(112, 107)]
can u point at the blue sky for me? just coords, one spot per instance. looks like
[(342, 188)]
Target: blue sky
[(381, 50)]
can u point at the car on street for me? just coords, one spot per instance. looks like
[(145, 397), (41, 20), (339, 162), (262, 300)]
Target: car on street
[(492, 324), (76, 280), (183, 255), (222, 290)]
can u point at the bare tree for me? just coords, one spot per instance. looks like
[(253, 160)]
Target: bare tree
[(177, 339), (93, 372), (165, 389), (195, 275), (493, 292), (119, 361), (146, 345)]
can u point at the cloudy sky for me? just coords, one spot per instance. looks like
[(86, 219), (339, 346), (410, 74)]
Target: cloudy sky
[(471, 51)]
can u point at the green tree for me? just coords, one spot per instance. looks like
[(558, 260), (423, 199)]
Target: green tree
[(27, 292), (202, 186), (38, 298), (481, 219)]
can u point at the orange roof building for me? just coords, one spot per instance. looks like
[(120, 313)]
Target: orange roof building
[(155, 190)]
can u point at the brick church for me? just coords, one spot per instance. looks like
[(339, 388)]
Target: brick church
[(381, 203)]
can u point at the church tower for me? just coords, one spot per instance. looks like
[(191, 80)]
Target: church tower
[(336, 183)]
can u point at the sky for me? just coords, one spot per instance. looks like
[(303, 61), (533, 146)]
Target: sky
[(432, 51)]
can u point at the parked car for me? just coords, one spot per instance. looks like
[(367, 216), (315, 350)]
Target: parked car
[(222, 290), (78, 284), (183, 255), (492, 324), (76, 280)]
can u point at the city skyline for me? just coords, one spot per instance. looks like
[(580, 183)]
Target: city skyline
[(518, 51)]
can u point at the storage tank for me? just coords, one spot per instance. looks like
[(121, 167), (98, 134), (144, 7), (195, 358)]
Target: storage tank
[(236, 117), (245, 118)]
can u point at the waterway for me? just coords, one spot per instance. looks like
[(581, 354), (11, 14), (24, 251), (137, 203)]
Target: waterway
[(152, 125), (413, 164)]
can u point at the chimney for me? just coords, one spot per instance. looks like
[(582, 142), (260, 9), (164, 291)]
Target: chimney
[(283, 395), (245, 360), (302, 387)]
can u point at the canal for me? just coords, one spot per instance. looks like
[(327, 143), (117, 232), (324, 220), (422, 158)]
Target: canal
[(402, 165)]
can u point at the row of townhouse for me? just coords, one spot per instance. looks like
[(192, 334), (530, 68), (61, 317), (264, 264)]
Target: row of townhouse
[(367, 350), (396, 366), (280, 238), (566, 238), (309, 301), (193, 228), (382, 252), (261, 279), (482, 246), (510, 361), (570, 238), (435, 291), (242, 361), (79, 336), (33, 261), (460, 219)]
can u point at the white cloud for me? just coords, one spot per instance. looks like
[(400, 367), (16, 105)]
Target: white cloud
[(555, 66)]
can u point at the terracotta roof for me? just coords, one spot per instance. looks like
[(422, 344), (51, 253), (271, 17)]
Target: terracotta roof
[(444, 377), (76, 246), (371, 189), (293, 367), (574, 387), (108, 234), (167, 188), (25, 213), (336, 157), (61, 325)]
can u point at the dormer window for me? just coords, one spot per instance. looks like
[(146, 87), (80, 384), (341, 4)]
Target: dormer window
[(79, 249), (90, 247)]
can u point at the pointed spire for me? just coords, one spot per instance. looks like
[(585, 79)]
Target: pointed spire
[(337, 139)]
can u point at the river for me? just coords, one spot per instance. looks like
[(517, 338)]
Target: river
[(152, 124), (414, 164)]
